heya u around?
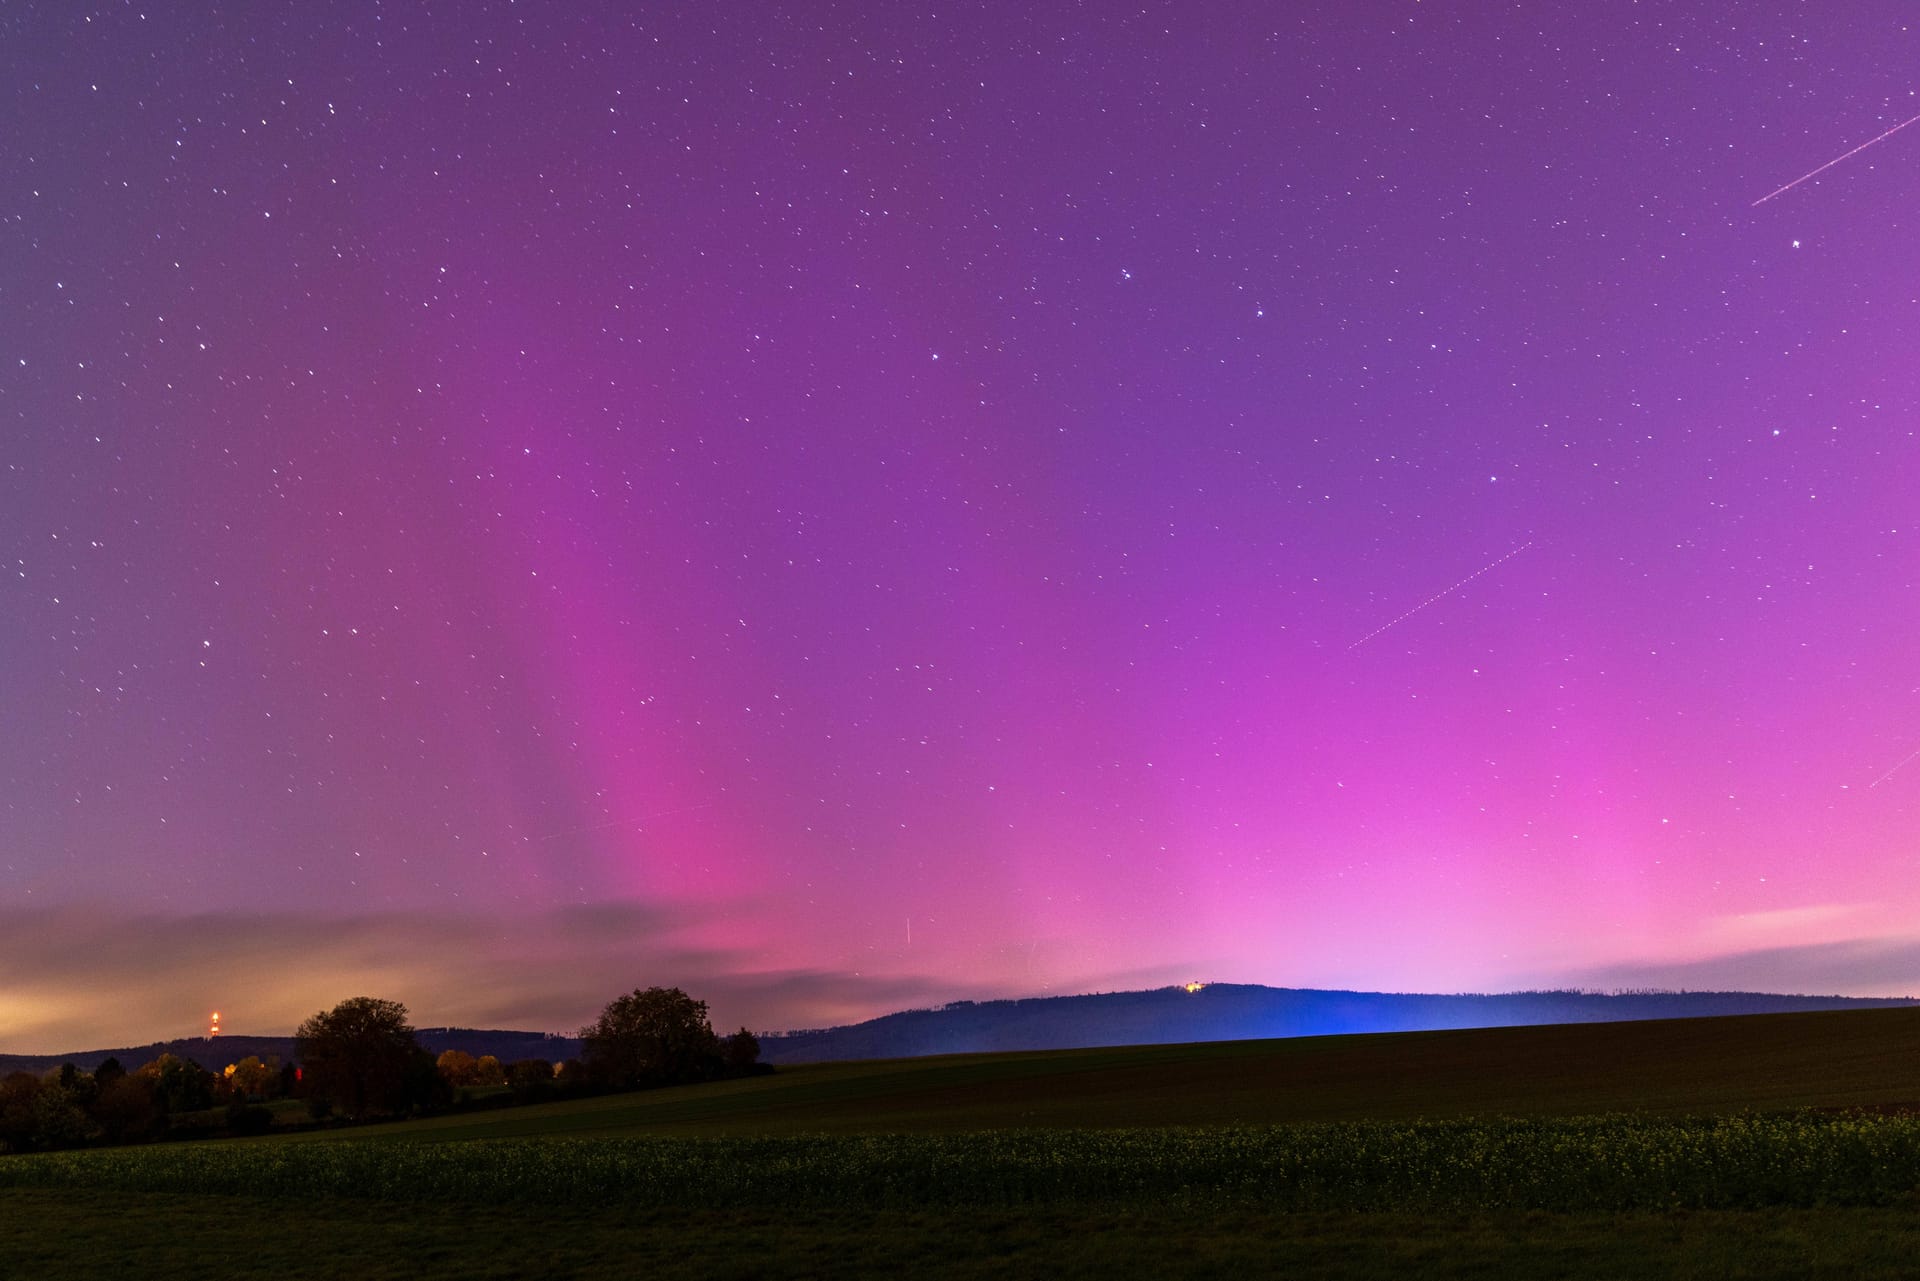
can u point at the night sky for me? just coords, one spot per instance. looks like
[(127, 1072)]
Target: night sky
[(847, 506)]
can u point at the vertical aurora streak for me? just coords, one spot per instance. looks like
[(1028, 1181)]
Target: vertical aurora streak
[(602, 495)]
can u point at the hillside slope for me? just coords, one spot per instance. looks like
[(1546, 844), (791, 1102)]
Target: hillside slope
[(1229, 1011), (1832, 1059)]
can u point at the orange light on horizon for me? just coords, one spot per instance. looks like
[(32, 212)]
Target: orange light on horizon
[(1194, 987)]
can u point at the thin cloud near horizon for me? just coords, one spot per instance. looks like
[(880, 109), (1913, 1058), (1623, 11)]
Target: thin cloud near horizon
[(72, 978), (76, 978), (1883, 966)]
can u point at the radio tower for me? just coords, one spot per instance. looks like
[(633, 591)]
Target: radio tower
[(213, 1029)]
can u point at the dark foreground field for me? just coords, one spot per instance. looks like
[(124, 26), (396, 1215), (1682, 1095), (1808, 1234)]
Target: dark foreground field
[(1766, 1146), (160, 1235)]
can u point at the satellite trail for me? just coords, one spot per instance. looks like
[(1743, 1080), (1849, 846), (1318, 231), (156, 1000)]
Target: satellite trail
[(1777, 191), (1437, 595), (1890, 773)]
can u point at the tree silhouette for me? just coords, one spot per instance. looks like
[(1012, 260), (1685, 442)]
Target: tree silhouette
[(742, 1052), (651, 1036), (357, 1054)]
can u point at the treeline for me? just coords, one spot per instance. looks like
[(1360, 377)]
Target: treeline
[(165, 1097), (363, 1061), (229, 1047)]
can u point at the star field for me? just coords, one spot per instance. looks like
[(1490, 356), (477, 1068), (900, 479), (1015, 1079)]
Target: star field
[(847, 506)]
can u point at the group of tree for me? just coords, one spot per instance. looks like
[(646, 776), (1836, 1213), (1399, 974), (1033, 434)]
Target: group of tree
[(362, 1059), (67, 1107), (463, 1071)]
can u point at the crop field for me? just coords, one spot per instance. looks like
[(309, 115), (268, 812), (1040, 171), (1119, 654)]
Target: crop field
[(1599, 1163), (1767, 1146)]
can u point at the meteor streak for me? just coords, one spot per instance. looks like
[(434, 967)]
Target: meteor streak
[(1448, 591), (1777, 191)]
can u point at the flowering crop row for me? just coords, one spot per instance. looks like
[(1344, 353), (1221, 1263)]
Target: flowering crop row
[(1601, 1163)]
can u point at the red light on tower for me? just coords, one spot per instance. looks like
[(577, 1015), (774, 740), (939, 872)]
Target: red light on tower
[(213, 1028)]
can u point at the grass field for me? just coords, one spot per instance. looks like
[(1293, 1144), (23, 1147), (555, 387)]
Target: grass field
[(1628, 1150), (1759, 1063)]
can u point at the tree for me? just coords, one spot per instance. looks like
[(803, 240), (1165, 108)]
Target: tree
[(742, 1052), (252, 1079), (530, 1079), (357, 1055), (18, 1123), (422, 1088), (458, 1067), (655, 1036), (81, 1088), (125, 1109), (487, 1071), (179, 1085), (58, 1121)]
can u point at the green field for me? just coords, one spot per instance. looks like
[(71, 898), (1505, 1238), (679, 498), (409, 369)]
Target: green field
[(1759, 1146)]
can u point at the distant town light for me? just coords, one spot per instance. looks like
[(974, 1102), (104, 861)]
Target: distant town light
[(1194, 987)]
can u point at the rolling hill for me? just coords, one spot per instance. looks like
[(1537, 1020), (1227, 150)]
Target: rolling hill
[(1162, 1016), (1233, 1011)]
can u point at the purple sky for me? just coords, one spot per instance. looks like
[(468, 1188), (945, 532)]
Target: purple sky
[(844, 506)]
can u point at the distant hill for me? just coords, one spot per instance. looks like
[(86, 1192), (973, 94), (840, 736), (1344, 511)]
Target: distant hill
[(1664, 1067), (215, 1053), (1161, 1016), (1233, 1012)]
